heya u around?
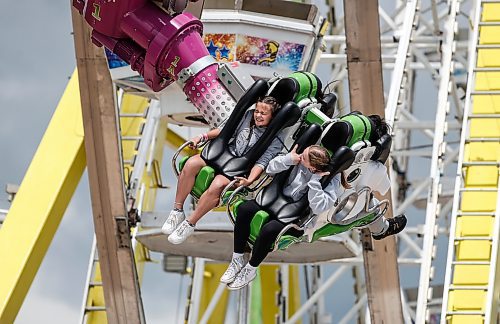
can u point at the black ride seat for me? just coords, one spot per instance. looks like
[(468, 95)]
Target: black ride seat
[(216, 153)]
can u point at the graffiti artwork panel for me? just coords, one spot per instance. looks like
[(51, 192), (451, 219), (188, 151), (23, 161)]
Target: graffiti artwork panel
[(255, 50), (221, 46), (268, 52)]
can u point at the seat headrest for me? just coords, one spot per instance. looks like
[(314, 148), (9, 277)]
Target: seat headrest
[(382, 148), (285, 90), (297, 86), (329, 104), (309, 137), (336, 135)]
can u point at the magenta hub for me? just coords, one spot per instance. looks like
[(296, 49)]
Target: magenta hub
[(159, 47)]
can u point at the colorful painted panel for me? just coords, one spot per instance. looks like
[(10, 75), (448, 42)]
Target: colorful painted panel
[(221, 46), (255, 50), (266, 52), (113, 60)]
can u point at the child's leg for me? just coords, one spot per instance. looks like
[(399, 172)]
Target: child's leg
[(209, 199), (186, 179), (265, 241), (246, 212)]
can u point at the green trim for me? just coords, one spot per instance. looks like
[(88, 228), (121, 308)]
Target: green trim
[(259, 219), (182, 162), (361, 128), (308, 85), (203, 179), (333, 229), (235, 207), (256, 300), (287, 240), (316, 116)]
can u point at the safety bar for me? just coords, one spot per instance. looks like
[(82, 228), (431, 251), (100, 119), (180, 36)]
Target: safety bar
[(235, 194), (283, 231), (176, 154), (384, 202), (223, 193), (228, 206)]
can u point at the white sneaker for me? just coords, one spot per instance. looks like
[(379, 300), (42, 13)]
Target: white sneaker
[(243, 278), (173, 220), (233, 269), (181, 233)]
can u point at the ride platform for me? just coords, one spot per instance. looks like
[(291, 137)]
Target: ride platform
[(213, 239)]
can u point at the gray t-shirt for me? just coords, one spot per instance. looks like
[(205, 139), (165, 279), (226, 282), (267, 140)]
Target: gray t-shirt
[(246, 136)]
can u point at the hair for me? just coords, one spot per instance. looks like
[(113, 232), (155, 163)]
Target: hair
[(319, 158), (381, 127), (271, 101)]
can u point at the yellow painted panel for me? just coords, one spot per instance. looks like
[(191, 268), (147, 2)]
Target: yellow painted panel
[(132, 105), (131, 126), (41, 201), (210, 284), (96, 298), (487, 80), (269, 275), (481, 176), (149, 200), (478, 151), (128, 148), (485, 128), (488, 57), (473, 250), (261, 312), (465, 319), (491, 12), (462, 300), (478, 201), (466, 274), (294, 290), (489, 104), (475, 226), (489, 35)]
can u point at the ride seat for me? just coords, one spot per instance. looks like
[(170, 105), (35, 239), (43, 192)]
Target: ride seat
[(380, 149), (274, 202), (216, 154), (296, 87)]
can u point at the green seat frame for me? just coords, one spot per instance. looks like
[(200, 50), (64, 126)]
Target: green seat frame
[(203, 179)]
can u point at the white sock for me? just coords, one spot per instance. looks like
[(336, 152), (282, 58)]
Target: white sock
[(379, 226), (250, 267), (237, 255)]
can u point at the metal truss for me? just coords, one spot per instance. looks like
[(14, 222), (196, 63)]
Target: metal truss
[(419, 42)]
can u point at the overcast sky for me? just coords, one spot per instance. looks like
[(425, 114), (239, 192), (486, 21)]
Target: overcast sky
[(37, 58)]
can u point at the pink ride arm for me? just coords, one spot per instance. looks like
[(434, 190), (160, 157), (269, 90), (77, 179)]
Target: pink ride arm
[(162, 49)]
